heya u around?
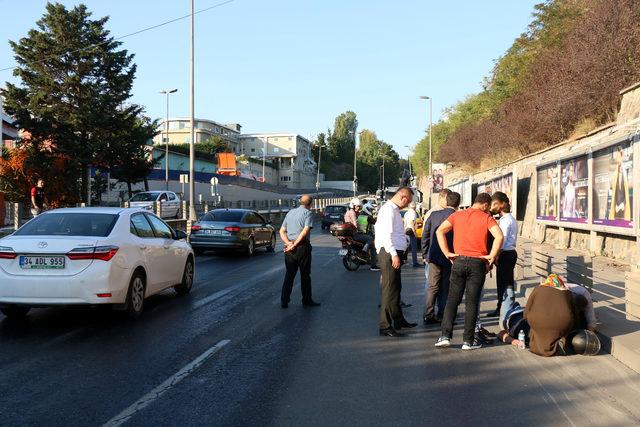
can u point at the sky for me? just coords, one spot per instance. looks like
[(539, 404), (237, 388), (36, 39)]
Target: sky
[(294, 65)]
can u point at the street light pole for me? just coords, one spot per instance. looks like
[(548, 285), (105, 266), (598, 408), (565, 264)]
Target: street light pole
[(430, 132), (319, 159), (166, 141), (409, 159), (264, 158), (192, 148)]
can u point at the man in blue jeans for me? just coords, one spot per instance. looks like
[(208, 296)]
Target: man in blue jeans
[(471, 263)]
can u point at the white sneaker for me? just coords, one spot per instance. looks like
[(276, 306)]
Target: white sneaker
[(476, 344), (443, 342)]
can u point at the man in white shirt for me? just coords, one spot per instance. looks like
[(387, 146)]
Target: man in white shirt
[(508, 256), (391, 242)]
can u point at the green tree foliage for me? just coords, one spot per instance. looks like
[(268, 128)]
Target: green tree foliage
[(75, 83), (486, 123), (341, 141)]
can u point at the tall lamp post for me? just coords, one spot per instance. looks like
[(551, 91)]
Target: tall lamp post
[(430, 132), (318, 176), (264, 158), (166, 141), (409, 159), (355, 151), (192, 149)]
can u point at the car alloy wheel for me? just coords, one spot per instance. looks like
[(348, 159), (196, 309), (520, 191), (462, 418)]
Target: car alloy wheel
[(272, 244), (187, 279), (251, 247), (135, 297)]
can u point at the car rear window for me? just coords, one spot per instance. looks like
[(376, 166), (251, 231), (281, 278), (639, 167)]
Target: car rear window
[(223, 216), (145, 197), (69, 224), (335, 209)]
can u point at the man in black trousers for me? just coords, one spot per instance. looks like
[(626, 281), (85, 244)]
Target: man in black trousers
[(295, 232), (391, 243)]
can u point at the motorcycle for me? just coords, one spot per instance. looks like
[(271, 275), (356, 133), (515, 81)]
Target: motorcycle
[(352, 252)]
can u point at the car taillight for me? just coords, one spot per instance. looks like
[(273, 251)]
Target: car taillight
[(195, 228), (7, 253), (103, 253), (232, 229)]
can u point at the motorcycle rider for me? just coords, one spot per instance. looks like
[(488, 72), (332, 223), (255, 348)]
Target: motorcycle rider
[(351, 216)]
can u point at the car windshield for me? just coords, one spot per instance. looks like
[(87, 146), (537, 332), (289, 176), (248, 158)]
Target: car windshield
[(335, 209), (69, 224), (223, 216), (145, 197)]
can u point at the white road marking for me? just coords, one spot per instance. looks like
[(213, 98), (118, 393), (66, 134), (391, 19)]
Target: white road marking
[(223, 292), (154, 394)]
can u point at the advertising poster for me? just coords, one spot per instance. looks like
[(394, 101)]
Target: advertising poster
[(503, 184), (546, 197), (437, 177), (574, 189), (613, 186)]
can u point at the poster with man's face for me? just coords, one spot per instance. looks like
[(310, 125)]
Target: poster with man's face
[(613, 186), (437, 176), (574, 189), (546, 197)]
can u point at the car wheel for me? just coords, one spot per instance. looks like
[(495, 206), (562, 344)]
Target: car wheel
[(15, 311), (271, 247), (187, 279), (251, 247), (135, 296)]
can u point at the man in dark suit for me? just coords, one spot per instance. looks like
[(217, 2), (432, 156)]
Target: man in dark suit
[(439, 265)]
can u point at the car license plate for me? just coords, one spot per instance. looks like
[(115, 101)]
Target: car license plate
[(41, 262), (343, 252), (214, 232)]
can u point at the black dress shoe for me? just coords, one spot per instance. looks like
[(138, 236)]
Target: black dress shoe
[(406, 325), (430, 320), (311, 304), (494, 313), (390, 332)]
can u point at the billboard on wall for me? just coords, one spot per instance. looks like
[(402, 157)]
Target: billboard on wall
[(574, 189), (437, 176), (613, 186), (464, 189), (503, 184), (546, 197)]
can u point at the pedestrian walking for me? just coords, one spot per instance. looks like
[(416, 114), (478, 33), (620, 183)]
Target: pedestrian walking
[(410, 217), (391, 243), (439, 265), (38, 198), (442, 203), (295, 232), (471, 263), (506, 263)]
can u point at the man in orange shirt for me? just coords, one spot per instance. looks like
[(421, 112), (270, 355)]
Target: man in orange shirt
[(471, 263)]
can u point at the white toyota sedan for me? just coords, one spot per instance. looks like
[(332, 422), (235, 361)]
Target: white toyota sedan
[(92, 256)]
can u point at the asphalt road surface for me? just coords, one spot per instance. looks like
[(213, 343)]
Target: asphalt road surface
[(227, 354)]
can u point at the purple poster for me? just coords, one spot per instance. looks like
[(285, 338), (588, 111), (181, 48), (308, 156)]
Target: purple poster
[(574, 189), (547, 198), (613, 186)]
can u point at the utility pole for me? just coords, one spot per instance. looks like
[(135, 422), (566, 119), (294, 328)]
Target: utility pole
[(264, 157), (319, 159), (192, 148), (430, 133), (166, 141)]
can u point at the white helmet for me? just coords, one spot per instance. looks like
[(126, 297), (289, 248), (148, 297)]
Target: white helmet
[(355, 202)]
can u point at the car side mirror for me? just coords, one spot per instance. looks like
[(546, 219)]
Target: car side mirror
[(180, 235)]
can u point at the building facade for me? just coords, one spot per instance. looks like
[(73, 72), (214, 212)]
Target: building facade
[(291, 152), (180, 132)]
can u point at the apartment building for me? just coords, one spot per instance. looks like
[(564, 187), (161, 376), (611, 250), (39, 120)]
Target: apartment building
[(180, 132), (291, 152)]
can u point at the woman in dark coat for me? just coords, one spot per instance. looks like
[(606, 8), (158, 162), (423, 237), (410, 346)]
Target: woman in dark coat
[(549, 312)]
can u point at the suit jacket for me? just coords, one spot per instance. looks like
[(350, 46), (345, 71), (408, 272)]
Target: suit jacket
[(430, 248)]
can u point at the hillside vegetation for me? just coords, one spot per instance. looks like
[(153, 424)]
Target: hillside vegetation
[(562, 76)]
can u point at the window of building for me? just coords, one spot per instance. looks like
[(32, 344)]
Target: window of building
[(253, 150), (276, 149)]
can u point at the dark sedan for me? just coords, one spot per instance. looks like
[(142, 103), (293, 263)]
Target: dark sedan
[(333, 214), (232, 229)]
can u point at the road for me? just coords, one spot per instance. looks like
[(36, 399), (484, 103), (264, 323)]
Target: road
[(229, 355)]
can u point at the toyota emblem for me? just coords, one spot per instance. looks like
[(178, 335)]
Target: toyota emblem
[(42, 245)]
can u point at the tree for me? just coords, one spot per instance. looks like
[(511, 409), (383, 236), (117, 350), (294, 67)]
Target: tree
[(75, 82), (342, 140)]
